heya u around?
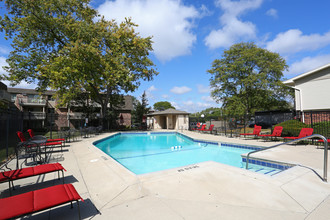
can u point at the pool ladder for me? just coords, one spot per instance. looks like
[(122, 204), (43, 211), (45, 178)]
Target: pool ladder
[(325, 164)]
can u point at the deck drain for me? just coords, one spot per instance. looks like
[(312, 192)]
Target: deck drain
[(188, 168), (104, 158)]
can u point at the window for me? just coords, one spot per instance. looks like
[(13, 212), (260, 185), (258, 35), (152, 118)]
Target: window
[(35, 98), (13, 97)]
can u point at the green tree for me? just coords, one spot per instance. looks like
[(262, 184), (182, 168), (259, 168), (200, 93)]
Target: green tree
[(140, 108), (163, 105), (209, 113), (248, 78), (66, 46)]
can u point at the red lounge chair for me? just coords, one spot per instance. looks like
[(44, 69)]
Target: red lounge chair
[(38, 200), (323, 141), (256, 131), (22, 138), (202, 129), (304, 132), (277, 132), (31, 133), (209, 129), (12, 175)]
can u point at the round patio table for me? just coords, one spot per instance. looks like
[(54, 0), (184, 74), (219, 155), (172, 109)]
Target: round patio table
[(38, 141)]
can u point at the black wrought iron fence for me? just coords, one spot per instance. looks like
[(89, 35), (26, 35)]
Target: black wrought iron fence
[(10, 122), (225, 125), (318, 120), (291, 123)]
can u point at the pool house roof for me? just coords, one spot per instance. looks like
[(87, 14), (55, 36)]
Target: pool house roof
[(169, 111)]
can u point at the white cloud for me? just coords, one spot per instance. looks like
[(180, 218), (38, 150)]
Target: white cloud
[(4, 50), (308, 63), (203, 89), (204, 11), (2, 64), (152, 88), (193, 107), (294, 40), (272, 13), (23, 84), (180, 90), (165, 96), (175, 105), (149, 93), (208, 99), (233, 29), (170, 23)]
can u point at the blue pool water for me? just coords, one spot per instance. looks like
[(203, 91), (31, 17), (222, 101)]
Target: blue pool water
[(144, 153)]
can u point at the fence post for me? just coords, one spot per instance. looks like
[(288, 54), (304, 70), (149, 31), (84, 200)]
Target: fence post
[(271, 122), (225, 125), (29, 121), (231, 129), (7, 133), (51, 125), (245, 122), (22, 121), (68, 120), (311, 115)]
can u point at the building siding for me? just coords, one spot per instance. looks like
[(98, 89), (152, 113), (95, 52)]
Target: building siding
[(314, 90)]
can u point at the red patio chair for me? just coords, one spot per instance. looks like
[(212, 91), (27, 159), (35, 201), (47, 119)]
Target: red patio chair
[(277, 132), (201, 129), (38, 200), (11, 175), (323, 141), (46, 144), (256, 131), (209, 129), (31, 133), (304, 132)]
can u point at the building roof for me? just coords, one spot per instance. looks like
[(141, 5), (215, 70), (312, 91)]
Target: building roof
[(29, 91), (169, 111), (128, 103), (3, 86), (290, 82)]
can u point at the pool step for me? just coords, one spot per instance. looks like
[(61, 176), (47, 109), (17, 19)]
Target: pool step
[(265, 171)]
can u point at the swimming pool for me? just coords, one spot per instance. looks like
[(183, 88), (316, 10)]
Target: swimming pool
[(149, 152)]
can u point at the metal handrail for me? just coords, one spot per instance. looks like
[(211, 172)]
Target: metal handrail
[(325, 165)]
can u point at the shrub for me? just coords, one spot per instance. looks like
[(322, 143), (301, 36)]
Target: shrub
[(291, 128), (322, 128)]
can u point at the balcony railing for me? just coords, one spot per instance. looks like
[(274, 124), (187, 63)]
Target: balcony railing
[(4, 95), (32, 101), (76, 115), (34, 115)]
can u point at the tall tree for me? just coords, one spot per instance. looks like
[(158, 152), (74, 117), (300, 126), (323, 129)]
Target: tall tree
[(163, 105), (65, 45), (248, 78), (140, 108)]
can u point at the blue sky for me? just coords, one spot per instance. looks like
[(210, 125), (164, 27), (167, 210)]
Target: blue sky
[(188, 35)]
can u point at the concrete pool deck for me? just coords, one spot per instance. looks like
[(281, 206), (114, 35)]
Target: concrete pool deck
[(207, 190)]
